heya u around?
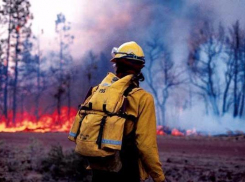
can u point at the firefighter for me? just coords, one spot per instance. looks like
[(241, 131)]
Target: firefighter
[(139, 154)]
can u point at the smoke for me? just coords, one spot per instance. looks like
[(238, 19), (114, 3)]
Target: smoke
[(101, 25), (227, 12), (196, 119), (98, 26)]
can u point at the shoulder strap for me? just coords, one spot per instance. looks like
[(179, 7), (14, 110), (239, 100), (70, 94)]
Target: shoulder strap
[(88, 94), (125, 104), (126, 92), (129, 89)]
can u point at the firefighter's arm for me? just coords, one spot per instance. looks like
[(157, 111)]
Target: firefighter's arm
[(146, 138)]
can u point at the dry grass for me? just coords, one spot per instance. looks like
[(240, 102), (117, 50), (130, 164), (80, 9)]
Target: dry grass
[(184, 159), (34, 164)]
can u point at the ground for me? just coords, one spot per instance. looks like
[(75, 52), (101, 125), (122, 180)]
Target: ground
[(184, 158)]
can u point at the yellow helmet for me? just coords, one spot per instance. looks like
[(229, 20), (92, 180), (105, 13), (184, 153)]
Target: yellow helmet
[(129, 50)]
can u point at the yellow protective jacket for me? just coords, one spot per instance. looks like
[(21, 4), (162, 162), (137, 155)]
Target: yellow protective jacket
[(141, 104)]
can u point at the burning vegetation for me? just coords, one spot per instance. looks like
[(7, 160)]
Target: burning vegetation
[(55, 123), (164, 130), (47, 123), (61, 122), (40, 88)]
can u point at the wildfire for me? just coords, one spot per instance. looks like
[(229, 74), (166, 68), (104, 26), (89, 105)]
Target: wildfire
[(176, 132), (160, 130), (46, 123), (163, 130), (62, 123)]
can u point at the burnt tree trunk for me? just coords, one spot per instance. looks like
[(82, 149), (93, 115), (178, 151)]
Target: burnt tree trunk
[(69, 99), (17, 50), (5, 107), (58, 96), (38, 86), (224, 107), (236, 52)]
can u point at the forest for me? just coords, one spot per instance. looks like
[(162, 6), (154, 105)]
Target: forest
[(36, 82), (52, 52)]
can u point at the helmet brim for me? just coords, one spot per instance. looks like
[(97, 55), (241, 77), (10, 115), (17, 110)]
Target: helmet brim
[(132, 62), (115, 59)]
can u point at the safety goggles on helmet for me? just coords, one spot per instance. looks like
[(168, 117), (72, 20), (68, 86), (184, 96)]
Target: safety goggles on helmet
[(126, 55)]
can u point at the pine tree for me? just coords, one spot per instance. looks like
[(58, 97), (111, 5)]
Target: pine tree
[(18, 15)]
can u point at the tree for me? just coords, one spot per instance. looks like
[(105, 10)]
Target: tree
[(228, 74), (25, 69), (62, 28), (206, 47), (242, 105), (1, 75), (18, 15), (90, 67), (2, 57), (161, 74), (236, 49), (6, 13), (38, 76), (32, 78)]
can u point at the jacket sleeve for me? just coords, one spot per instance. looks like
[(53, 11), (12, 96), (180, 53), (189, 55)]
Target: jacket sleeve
[(146, 138)]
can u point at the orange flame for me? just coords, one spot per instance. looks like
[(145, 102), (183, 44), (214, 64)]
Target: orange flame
[(160, 130), (47, 123), (163, 130), (50, 123), (176, 132)]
